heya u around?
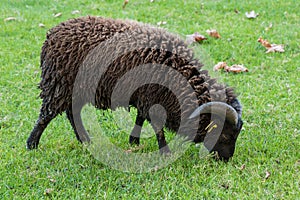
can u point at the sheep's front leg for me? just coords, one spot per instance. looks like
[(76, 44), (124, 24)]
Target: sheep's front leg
[(135, 134), (162, 144)]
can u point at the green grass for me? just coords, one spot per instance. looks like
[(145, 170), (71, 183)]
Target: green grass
[(62, 169)]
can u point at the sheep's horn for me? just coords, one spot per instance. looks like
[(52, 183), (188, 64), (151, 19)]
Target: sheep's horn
[(218, 108)]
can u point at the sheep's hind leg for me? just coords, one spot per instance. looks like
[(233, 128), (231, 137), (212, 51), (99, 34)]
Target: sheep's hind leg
[(77, 125), (40, 125), (135, 134)]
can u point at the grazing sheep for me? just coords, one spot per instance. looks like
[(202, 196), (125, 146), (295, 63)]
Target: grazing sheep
[(70, 43)]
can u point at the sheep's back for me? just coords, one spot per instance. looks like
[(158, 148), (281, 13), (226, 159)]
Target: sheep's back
[(68, 44), (64, 50)]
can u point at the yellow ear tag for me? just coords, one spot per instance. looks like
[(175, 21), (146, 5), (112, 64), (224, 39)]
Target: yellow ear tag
[(211, 126)]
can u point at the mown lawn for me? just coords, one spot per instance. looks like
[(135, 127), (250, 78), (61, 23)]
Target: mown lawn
[(266, 164)]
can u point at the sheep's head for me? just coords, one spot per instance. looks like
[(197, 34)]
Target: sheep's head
[(220, 125)]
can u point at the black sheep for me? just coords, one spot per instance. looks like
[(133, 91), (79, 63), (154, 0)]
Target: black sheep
[(73, 46)]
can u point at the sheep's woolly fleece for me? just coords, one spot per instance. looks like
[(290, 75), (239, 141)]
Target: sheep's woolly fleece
[(70, 44)]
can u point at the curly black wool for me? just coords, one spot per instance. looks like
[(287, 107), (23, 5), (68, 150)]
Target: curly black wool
[(69, 44)]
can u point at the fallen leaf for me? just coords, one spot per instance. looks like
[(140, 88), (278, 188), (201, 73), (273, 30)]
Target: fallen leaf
[(265, 43), (236, 69), (196, 37), (251, 15), (213, 33), (271, 47), (57, 14), (268, 174), (134, 149), (75, 12), (243, 167), (52, 180), (269, 27), (220, 65), (276, 48), (156, 168), (48, 191), (161, 23), (41, 25), (10, 19), (125, 3)]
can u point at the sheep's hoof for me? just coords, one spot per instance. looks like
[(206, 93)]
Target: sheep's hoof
[(31, 145), (134, 140), (165, 151)]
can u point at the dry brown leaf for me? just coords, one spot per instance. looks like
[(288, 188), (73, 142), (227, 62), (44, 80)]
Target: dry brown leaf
[(265, 43), (196, 37), (213, 33), (125, 3), (243, 167), (276, 48), (271, 47), (41, 25), (236, 69), (75, 12), (268, 174), (251, 15), (220, 65), (10, 19), (57, 14)]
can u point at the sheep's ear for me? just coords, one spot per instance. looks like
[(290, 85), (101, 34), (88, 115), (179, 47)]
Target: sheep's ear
[(217, 108)]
